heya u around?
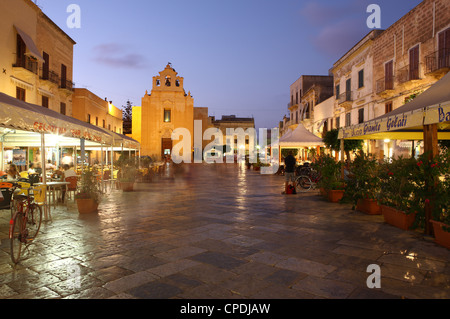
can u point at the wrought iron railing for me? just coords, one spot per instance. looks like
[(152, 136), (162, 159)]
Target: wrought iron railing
[(27, 63), (437, 60)]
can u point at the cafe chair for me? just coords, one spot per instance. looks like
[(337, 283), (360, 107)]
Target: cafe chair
[(24, 188), (72, 187), (39, 193), (24, 174)]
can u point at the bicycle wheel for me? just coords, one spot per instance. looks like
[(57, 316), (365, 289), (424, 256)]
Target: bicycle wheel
[(17, 236), (303, 182), (34, 221)]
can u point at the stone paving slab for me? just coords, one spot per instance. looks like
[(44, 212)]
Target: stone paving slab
[(221, 232)]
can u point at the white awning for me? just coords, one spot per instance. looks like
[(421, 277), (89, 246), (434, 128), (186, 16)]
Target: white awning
[(300, 137), (31, 46)]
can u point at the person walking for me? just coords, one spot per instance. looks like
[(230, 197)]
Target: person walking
[(289, 173)]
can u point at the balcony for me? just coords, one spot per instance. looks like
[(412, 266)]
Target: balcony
[(438, 62), (50, 76), (291, 104), (407, 74), (26, 63), (346, 97), (67, 85), (384, 85)]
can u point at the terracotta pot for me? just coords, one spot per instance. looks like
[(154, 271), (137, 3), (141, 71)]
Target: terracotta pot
[(256, 168), (127, 186), (397, 217), (336, 195), (368, 206), (441, 237), (87, 206)]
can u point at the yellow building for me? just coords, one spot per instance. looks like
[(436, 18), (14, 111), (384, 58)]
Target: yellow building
[(166, 108), (90, 108), (36, 57)]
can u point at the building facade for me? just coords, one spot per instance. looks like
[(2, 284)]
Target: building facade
[(233, 123), (36, 57), (409, 57), (166, 108)]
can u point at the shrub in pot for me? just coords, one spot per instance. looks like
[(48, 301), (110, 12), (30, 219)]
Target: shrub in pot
[(88, 194), (363, 184), (397, 183), (127, 173), (331, 181)]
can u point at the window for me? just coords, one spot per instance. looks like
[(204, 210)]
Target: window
[(45, 101), (46, 66), (89, 118), (115, 129), (177, 83), (167, 116), (338, 91), (388, 107), (104, 124), (63, 76), (444, 49), (20, 93), (21, 50), (96, 120), (360, 116), (338, 122), (414, 63), (168, 81), (361, 79), (158, 82), (348, 119), (63, 108), (389, 75), (109, 127)]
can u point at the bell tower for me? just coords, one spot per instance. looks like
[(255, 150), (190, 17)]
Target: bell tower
[(165, 109), (168, 80)]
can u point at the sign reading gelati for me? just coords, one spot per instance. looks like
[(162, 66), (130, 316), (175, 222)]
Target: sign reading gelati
[(42, 127), (77, 133), (397, 122)]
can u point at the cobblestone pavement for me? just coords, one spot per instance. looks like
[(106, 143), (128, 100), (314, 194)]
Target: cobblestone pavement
[(221, 231)]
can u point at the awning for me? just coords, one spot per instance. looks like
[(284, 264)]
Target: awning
[(300, 137), (31, 46), (16, 114), (407, 121)]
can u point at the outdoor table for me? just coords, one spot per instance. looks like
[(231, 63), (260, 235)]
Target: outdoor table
[(52, 188)]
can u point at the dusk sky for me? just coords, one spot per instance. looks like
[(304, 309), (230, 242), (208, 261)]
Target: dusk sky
[(236, 57)]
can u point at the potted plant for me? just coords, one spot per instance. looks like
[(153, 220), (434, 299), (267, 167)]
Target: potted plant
[(363, 184), (127, 173), (432, 196), (331, 182), (88, 195), (397, 195)]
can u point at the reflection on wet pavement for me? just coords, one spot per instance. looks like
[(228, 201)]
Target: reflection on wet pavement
[(221, 231)]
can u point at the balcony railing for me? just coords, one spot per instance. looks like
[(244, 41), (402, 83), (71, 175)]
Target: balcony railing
[(437, 60), (27, 63), (68, 85), (346, 97), (406, 74), (49, 76), (385, 84), (291, 104)]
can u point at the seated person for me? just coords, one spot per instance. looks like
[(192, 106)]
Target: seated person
[(31, 170), (13, 172), (58, 174), (68, 171)]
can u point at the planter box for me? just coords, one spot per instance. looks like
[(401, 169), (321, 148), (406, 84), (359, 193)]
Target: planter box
[(368, 206), (441, 237), (335, 196), (397, 217), (127, 186), (87, 206)]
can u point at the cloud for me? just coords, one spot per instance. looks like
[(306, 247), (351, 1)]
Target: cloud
[(338, 26), (118, 56), (338, 38)]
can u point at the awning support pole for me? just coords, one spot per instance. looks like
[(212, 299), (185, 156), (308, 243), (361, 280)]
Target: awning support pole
[(430, 142)]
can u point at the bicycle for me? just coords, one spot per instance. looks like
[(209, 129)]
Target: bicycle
[(26, 221), (308, 181)]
